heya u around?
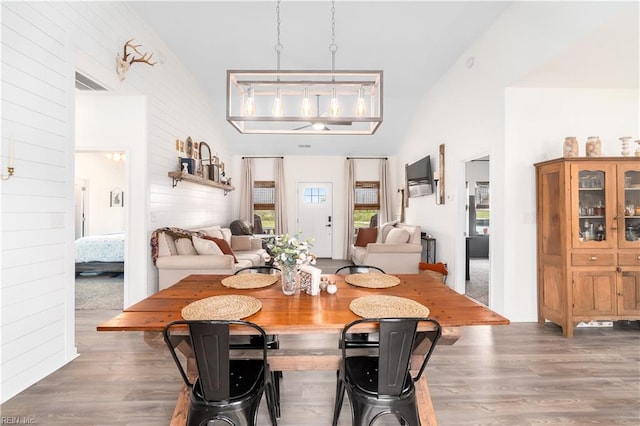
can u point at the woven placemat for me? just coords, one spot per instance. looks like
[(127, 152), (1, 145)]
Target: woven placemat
[(245, 281), (377, 306), (227, 307), (372, 280)]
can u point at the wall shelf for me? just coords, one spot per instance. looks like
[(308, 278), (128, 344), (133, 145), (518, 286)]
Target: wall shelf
[(179, 176)]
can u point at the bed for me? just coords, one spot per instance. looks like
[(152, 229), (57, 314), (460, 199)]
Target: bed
[(100, 253)]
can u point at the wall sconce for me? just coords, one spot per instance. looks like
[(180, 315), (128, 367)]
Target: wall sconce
[(10, 168), (123, 63)]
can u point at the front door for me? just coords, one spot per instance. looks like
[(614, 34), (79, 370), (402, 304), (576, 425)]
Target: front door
[(315, 216)]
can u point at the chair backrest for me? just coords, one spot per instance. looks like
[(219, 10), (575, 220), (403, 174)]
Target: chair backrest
[(358, 269), (265, 269), (211, 349), (399, 339)]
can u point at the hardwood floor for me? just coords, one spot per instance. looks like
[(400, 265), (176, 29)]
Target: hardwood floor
[(520, 374)]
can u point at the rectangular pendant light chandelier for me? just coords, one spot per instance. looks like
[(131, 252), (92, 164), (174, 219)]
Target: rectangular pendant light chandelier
[(305, 102)]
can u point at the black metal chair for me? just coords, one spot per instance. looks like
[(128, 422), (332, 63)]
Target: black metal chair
[(361, 339), (226, 390), (256, 341), (358, 269), (382, 384), (265, 269)]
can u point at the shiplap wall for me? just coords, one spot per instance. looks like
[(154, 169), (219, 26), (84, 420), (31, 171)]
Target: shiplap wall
[(42, 45)]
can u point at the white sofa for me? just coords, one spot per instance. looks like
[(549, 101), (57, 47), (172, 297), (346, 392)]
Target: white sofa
[(397, 250), (180, 253)]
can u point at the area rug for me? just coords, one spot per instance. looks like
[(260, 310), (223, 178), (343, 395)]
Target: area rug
[(478, 287), (100, 292)]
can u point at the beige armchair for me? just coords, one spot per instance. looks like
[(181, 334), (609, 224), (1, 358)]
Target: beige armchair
[(397, 249)]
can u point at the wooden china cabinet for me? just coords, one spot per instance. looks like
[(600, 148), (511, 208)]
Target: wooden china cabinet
[(588, 226)]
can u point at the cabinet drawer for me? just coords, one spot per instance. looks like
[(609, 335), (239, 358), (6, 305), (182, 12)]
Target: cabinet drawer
[(629, 259), (593, 259)]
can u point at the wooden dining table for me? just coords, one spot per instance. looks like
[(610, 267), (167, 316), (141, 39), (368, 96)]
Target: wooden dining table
[(304, 314)]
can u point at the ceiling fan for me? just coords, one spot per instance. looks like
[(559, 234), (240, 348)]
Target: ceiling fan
[(318, 124)]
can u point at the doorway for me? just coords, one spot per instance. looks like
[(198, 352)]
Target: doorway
[(315, 216), (478, 229)]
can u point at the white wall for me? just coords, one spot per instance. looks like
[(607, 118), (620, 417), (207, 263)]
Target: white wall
[(467, 111), (102, 176), (537, 121), (329, 169), (43, 43)]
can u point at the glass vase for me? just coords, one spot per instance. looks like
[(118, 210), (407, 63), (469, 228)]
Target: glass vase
[(288, 279)]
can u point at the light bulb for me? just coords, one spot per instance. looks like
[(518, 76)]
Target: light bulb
[(334, 106), (305, 109), (250, 103), (318, 125), (277, 109), (361, 105)]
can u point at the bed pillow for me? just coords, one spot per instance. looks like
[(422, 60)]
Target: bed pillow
[(366, 236), (184, 246), (206, 247), (224, 246), (397, 236)]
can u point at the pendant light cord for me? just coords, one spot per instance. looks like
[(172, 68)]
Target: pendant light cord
[(278, 46), (333, 47)]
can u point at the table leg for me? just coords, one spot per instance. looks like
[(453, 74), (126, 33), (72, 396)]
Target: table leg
[(179, 417), (425, 406)]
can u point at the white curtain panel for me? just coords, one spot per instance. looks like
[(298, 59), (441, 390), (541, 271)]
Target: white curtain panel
[(350, 174), (386, 203), (246, 190), (281, 199)]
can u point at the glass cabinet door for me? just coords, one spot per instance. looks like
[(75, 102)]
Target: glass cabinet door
[(630, 199), (594, 207)]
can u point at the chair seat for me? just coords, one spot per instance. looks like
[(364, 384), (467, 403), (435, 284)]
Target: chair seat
[(362, 372)]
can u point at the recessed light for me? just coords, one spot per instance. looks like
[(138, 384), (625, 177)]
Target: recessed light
[(304, 146)]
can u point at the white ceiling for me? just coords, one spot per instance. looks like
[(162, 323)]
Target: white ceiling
[(414, 42)]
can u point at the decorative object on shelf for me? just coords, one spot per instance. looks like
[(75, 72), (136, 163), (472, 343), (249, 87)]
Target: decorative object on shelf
[(123, 63), (290, 252), (570, 147), (116, 197), (593, 147), (278, 101), (626, 146), (10, 168), (188, 165), (638, 148), (189, 147), (204, 150)]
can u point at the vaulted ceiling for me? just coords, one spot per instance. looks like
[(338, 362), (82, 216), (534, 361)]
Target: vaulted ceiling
[(414, 42)]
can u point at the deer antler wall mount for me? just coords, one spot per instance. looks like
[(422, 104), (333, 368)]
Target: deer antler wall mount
[(123, 63)]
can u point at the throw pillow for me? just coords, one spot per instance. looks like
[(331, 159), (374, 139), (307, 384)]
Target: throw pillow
[(206, 247), (397, 236), (384, 230), (366, 236), (224, 246), (226, 234), (241, 242), (184, 246)]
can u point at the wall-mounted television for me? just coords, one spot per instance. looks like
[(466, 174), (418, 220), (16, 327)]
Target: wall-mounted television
[(420, 178)]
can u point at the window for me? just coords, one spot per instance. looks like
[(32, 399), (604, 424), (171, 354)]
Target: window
[(315, 195), (264, 206), (367, 203)]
